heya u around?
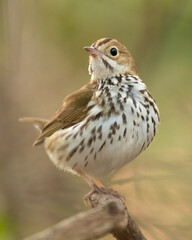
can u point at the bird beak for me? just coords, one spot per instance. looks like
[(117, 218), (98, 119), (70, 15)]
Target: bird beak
[(93, 51)]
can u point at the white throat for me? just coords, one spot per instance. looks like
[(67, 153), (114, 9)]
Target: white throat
[(104, 67)]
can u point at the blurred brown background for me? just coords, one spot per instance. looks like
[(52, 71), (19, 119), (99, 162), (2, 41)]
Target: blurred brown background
[(42, 60)]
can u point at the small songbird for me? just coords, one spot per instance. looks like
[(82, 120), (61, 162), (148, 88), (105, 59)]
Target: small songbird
[(105, 124)]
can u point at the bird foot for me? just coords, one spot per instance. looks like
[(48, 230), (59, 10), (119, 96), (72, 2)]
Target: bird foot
[(94, 189), (103, 190)]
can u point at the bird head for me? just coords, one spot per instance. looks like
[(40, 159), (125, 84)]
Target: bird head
[(109, 58)]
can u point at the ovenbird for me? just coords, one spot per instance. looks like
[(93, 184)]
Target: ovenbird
[(105, 124)]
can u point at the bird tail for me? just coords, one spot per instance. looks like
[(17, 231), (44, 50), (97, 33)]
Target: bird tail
[(38, 123)]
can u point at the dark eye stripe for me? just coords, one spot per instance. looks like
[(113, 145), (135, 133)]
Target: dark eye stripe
[(106, 40)]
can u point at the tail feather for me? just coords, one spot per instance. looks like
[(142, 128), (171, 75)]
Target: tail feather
[(38, 123)]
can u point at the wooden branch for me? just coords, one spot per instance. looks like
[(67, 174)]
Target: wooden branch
[(109, 215)]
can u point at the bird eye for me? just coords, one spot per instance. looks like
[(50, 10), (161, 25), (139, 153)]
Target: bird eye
[(113, 51)]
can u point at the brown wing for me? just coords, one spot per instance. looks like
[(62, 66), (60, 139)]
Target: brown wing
[(73, 111)]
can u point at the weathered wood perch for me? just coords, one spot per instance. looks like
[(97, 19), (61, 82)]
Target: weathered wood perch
[(109, 215)]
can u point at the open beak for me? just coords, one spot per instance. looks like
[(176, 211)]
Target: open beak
[(93, 51)]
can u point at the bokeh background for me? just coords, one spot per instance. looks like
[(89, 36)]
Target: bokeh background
[(42, 60)]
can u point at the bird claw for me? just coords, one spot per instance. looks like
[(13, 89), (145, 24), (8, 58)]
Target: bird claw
[(96, 189)]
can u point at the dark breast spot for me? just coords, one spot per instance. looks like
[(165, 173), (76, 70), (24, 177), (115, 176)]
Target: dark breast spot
[(121, 107), (147, 127), (124, 118), (68, 136), (82, 142), (74, 165), (70, 155), (113, 131), (100, 136), (93, 131), (102, 146), (124, 133), (81, 149), (112, 109), (94, 137), (142, 91), (134, 102), (97, 116), (119, 78), (119, 95), (109, 135), (115, 124), (89, 142), (85, 164), (103, 102), (75, 135), (91, 150), (109, 113), (99, 129)]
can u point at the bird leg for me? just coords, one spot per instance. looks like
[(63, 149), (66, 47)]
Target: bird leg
[(98, 183), (94, 186), (98, 187), (87, 180)]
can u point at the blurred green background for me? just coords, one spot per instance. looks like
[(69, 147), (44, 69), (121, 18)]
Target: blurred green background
[(42, 60)]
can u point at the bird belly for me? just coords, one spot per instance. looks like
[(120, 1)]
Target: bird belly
[(98, 147)]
